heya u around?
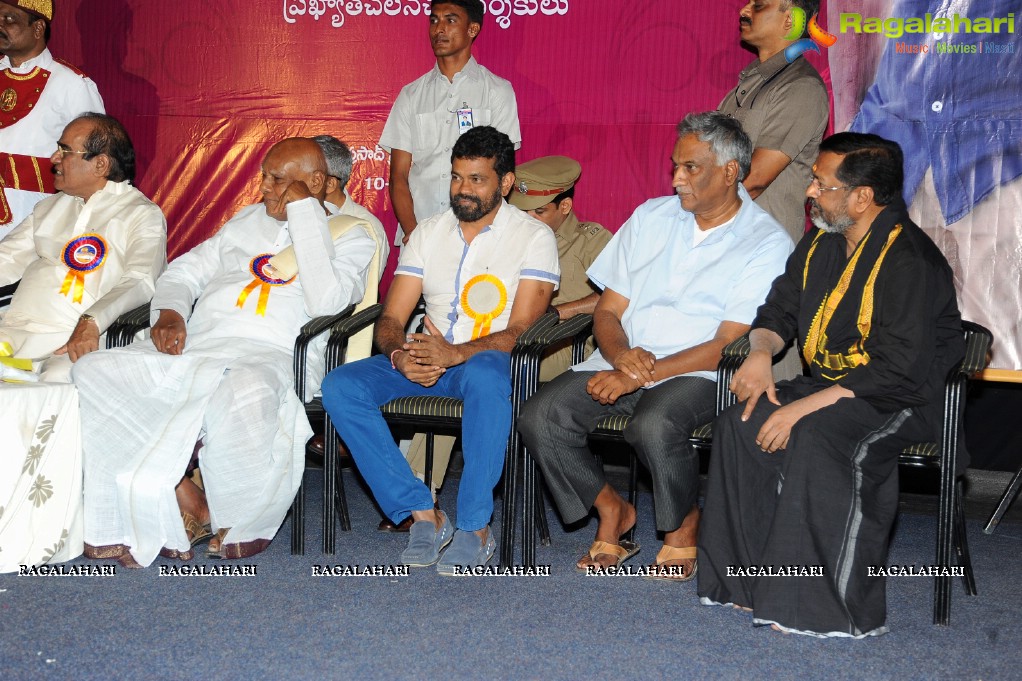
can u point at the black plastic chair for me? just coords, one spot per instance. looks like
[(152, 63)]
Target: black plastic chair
[(124, 329), (610, 428), (430, 415)]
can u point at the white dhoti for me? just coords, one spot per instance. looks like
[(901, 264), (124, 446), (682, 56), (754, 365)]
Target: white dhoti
[(253, 448)]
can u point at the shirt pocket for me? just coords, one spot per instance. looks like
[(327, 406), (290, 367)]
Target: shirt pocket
[(427, 133), (481, 117), (752, 122)]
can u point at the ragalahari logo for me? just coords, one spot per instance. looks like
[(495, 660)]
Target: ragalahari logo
[(817, 36)]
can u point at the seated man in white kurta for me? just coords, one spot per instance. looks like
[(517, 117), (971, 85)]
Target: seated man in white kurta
[(223, 370), (83, 256)]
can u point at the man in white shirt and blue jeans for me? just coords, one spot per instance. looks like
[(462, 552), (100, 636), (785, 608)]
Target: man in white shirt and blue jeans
[(486, 271)]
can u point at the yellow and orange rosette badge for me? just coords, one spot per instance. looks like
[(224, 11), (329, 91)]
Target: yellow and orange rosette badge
[(483, 298), (261, 277), (81, 255)]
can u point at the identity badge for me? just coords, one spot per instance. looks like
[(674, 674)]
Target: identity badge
[(464, 118)]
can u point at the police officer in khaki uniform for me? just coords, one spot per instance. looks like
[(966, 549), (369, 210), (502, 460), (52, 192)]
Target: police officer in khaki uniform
[(544, 188)]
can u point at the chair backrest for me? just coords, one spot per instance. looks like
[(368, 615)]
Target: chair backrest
[(361, 344)]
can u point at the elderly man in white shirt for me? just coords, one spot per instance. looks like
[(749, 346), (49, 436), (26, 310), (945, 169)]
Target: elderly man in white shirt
[(431, 112), (680, 281), (223, 369), (39, 95), (84, 256)]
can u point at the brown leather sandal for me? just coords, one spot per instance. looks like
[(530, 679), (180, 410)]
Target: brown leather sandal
[(621, 552), (196, 531), (674, 573)]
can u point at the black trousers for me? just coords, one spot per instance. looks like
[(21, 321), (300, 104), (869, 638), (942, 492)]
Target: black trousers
[(556, 422), (827, 500)]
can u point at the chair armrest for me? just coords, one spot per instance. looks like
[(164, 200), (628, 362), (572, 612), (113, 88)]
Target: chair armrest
[(977, 346), (309, 331), (344, 330), (126, 326), (538, 329), (731, 357)]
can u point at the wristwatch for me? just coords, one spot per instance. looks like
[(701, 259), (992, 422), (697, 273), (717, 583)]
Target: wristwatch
[(86, 317)]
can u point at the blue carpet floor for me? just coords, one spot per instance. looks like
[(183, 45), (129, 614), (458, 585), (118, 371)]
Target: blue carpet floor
[(286, 623)]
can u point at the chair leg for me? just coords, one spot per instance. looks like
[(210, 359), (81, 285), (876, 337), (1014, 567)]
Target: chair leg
[(298, 522), (1009, 496), (508, 515), (428, 475), (945, 541), (528, 509), (329, 491), (633, 487), (962, 542), (342, 497)]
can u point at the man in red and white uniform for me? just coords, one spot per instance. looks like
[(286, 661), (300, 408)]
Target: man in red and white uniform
[(39, 96)]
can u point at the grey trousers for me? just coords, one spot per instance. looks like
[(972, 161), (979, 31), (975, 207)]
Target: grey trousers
[(556, 421)]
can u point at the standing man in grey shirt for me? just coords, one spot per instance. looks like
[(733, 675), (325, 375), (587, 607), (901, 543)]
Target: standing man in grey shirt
[(431, 112), (782, 107)]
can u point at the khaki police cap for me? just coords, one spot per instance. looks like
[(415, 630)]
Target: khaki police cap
[(539, 181)]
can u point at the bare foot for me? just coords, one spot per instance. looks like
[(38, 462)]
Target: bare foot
[(777, 628), (617, 516), (741, 607), (216, 542)]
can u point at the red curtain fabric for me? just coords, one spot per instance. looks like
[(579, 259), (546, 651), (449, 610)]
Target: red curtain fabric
[(205, 88)]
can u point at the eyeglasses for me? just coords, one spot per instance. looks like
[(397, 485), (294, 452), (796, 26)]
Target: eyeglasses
[(815, 184), (61, 151)]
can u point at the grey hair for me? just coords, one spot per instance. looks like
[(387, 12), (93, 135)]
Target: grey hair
[(338, 157), (725, 136)]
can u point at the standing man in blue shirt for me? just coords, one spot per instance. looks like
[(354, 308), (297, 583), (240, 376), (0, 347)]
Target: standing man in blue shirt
[(679, 283)]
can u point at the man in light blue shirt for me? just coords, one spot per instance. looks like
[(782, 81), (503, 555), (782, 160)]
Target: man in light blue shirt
[(679, 283)]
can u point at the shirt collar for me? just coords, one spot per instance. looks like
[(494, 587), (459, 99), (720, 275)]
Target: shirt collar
[(471, 71), (500, 220), (43, 59), (767, 68), (739, 224), (568, 227)]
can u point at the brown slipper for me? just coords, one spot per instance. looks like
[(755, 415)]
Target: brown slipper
[(621, 552), (673, 573)]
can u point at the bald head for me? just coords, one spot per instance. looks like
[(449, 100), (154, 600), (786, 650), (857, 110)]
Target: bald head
[(292, 161)]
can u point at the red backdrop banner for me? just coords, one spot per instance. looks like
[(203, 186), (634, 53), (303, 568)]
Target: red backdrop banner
[(205, 88)]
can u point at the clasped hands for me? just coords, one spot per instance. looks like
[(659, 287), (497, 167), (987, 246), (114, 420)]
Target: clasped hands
[(751, 381), (633, 369), (425, 357)]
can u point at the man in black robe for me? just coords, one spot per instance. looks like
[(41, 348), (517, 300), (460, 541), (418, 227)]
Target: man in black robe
[(805, 481)]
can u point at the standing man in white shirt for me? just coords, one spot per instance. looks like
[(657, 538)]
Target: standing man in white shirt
[(430, 114), (39, 96)]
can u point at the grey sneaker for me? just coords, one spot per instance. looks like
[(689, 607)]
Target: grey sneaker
[(466, 551), (425, 542)]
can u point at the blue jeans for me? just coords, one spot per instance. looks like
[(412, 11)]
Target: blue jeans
[(353, 394)]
